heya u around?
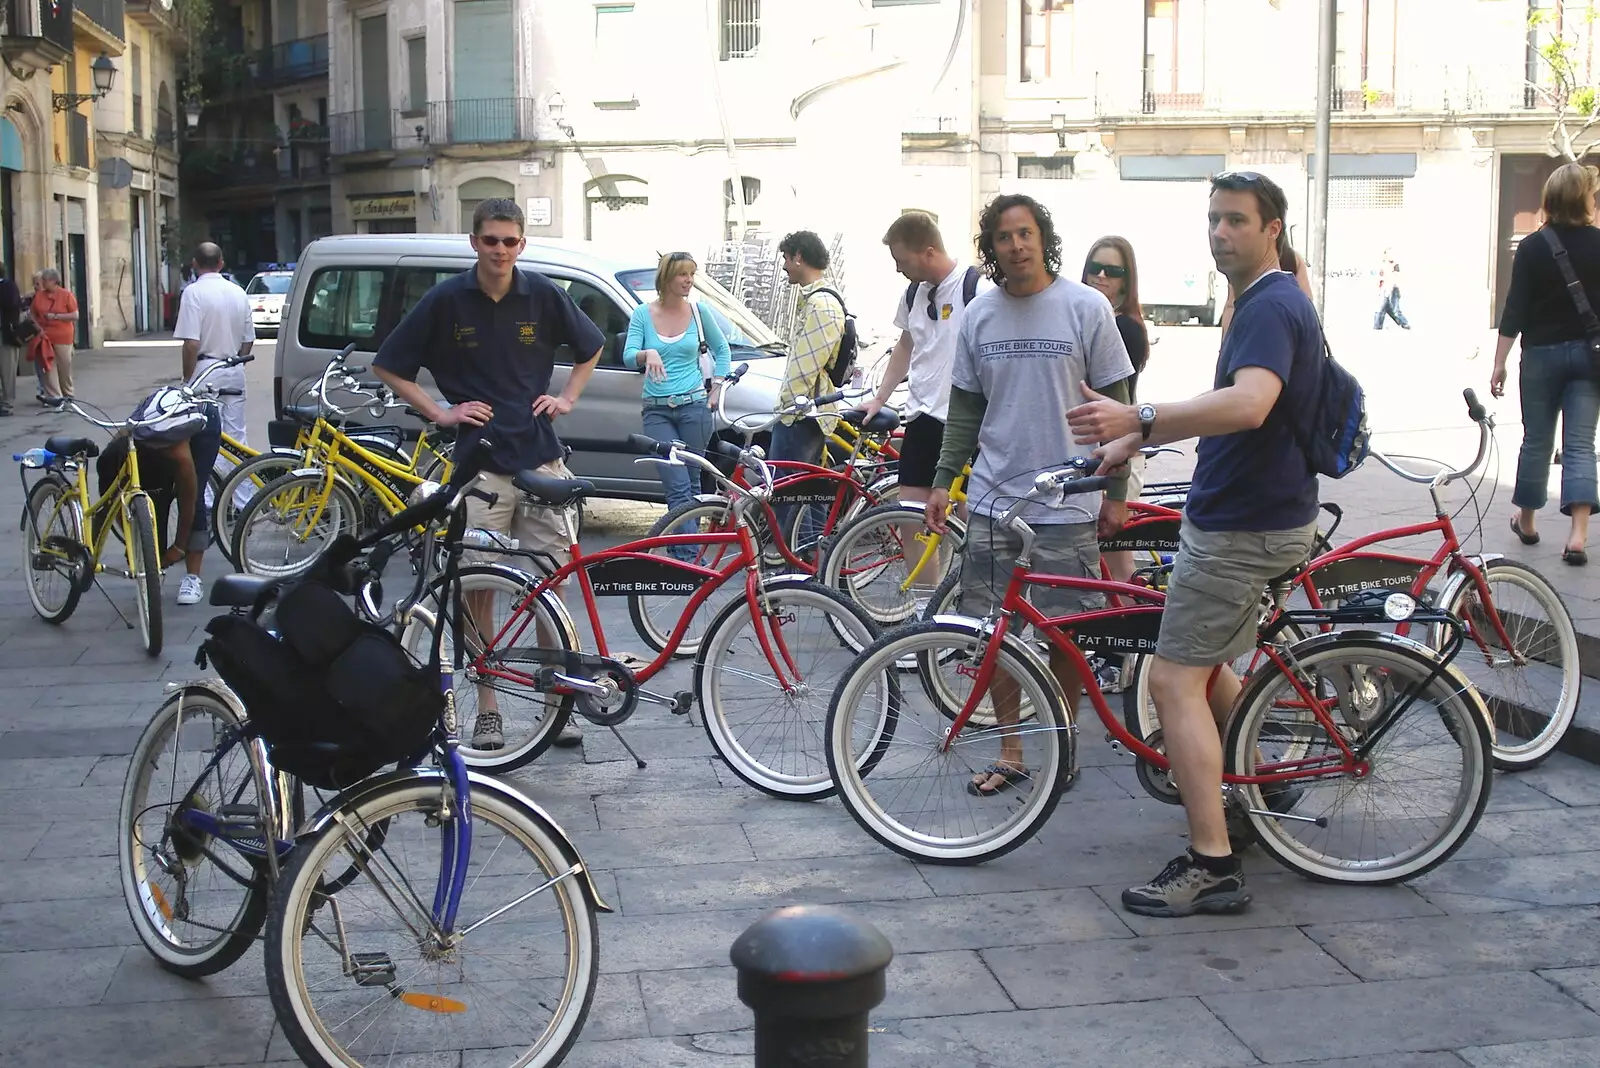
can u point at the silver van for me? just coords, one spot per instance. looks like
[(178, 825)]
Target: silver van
[(353, 288)]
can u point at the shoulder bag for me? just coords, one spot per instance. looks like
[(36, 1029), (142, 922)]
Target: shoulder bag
[(1580, 299)]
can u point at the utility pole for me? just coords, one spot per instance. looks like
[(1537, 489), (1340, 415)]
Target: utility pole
[(1319, 180)]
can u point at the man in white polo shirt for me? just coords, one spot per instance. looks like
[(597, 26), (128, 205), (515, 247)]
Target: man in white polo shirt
[(214, 324), (929, 318)]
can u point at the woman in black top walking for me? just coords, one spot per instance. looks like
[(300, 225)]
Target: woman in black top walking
[(1556, 376), (1110, 268)]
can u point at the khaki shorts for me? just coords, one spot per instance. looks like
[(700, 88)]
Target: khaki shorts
[(1214, 595), (536, 527), (1058, 549), (1136, 475)]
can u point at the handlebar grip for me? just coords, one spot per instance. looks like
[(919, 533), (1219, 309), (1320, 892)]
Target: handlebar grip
[(648, 446), (345, 352), (230, 392), (737, 373), (1474, 409), (1087, 484), (374, 386), (238, 361), (728, 449), (355, 370), (829, 398)]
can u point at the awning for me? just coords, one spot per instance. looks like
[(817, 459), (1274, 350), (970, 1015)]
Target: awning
[(10, 146)]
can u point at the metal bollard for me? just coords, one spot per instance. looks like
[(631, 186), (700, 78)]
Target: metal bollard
[(811, 974)]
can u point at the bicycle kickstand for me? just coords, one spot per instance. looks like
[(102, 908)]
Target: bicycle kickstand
[(637, 759)]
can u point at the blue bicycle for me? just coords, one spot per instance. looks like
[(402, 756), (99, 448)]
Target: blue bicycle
[(420, 911)]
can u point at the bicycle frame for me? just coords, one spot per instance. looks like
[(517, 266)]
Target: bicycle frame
[(1059, 630)]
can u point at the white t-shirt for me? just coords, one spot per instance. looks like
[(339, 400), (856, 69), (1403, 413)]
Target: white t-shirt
[(933, 342), (216, 313)]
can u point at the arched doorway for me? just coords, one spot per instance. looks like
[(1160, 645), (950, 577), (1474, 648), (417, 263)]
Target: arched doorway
[(11, 167), (616, 210), (476, 191)]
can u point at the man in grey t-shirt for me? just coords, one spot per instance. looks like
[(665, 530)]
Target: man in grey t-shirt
[(1024, 352)]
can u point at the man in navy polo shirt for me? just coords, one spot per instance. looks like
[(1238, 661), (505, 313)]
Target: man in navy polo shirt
[(488, 336), (1250, 516)]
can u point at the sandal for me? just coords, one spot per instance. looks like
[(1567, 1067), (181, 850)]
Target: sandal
[(1526, 539), (1009, 777), (1575, 557)]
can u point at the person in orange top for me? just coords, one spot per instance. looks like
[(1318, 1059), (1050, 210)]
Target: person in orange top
[(56, 310)]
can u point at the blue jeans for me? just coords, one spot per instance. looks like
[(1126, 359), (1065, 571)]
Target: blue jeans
[(1557, 380), (1390, 308), (801, 440), (691, 425)]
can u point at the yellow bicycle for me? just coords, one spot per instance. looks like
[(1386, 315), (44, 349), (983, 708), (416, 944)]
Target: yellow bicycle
[(65, 531)]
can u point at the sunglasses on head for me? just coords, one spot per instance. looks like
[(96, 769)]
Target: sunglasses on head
[(1110, 270), (490, 240)]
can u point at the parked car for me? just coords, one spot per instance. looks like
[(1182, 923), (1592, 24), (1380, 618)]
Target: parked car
[(354, 288), (266, 292)]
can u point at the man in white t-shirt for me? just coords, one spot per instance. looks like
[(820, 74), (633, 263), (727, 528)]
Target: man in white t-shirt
[(929, 318), (214, 324)]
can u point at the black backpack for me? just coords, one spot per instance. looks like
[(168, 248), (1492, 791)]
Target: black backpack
[(969, 288), (1336, 441), (845, 358)]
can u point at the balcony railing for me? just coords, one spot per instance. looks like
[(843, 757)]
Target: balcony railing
[(227, 165), (293, 61), (446, 122), (107, 14), (1423, 89), (38, 30)]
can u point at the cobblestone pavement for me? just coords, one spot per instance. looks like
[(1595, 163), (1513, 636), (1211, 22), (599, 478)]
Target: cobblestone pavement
[(1492, 960)]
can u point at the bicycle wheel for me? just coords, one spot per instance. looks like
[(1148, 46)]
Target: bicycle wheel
[(655, 616), (53, 554), (808, 529), (1531, 688), (768, 733), (362, 975), (144, 563), (239, 487), (195, 901), (1426, 779), (910, 790), (290, 522), (872, 559), (529, 719)]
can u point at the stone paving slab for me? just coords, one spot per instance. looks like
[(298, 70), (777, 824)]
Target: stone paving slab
[(1486, 961)]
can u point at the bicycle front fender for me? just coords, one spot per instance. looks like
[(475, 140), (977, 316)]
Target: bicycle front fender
[(369, 787)]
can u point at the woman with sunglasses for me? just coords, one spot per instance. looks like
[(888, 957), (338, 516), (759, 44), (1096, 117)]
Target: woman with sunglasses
[(1111, 268), (666, 338)]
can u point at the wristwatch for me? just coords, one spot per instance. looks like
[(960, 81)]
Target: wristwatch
[(1147, 419)]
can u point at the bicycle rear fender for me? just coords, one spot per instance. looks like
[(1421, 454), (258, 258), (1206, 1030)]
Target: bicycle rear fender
[(1453, 673), (377, 783)]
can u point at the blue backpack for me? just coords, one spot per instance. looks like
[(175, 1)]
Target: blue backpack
[(1336, 440)]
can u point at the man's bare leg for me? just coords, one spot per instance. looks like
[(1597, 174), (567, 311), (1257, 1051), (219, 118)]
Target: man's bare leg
[(1194, 746), (1006, 695)]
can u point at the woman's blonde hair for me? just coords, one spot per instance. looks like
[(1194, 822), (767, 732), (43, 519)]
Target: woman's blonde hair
[(1569, 195), (671, 266)]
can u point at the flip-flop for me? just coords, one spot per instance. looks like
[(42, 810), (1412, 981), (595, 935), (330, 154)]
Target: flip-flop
[(1526, 539), (1575, 557), (1009, 777)]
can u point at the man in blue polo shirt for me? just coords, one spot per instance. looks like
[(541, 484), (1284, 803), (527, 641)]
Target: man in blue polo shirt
[(1250, 516), (488, 336)]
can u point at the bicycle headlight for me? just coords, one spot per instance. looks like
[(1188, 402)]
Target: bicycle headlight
[(423, 491), (1399, 607)]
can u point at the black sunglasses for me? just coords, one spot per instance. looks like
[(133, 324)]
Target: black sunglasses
[(933, 309), (1107, 269), (491, 240)]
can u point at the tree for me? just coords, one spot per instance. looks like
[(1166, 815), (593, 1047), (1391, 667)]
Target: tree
[(196, 21), (1571, 91)]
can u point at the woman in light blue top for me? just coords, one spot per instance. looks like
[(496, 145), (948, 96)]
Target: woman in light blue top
[(664, 338)]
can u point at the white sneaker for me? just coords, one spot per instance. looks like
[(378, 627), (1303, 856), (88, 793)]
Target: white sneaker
[(190, 590)]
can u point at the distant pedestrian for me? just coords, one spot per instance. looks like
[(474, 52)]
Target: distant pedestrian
[(1557, 375), (10, 343), (37, 349), (1389, 292), (214, 324), (55, 309)]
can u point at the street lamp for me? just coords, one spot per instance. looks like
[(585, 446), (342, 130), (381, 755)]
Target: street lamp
[(557, 106), (104, 73), (191, 112)]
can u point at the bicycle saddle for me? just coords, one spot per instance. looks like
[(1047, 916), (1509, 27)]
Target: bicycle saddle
[(305, 413), (239, 591), (882, 421), (67, 445), (557, 492)]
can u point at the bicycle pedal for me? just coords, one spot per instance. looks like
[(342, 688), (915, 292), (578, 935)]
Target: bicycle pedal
[(371, 969), (238, 819), (682, 702)]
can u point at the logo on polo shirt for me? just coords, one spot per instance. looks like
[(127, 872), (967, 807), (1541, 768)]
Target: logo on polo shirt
[(527, 332), (944, 311)]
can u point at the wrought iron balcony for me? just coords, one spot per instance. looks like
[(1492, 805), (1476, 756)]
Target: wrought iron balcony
[(107, 14), (446, 122), (38, 34)]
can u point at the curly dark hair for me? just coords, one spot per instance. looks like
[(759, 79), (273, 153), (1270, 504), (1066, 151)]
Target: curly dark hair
[(989, 222), (807, 246)]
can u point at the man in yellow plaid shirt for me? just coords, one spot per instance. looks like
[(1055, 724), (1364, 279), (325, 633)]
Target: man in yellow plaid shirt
[(812, 347)]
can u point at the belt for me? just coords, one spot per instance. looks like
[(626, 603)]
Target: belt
[(679, 400)]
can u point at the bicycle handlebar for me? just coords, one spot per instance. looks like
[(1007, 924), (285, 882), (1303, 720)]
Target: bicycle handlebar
[(800, 408), (675, 453), (1444, 476)]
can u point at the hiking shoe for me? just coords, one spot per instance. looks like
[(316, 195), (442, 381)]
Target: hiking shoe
[(487, 732), (190, 590), (1184, 888), (570, 736)]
